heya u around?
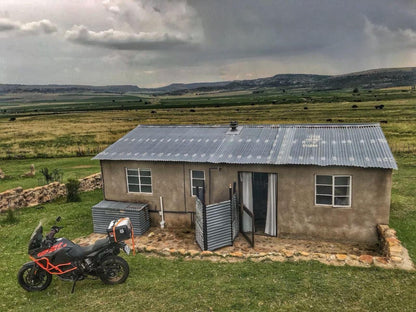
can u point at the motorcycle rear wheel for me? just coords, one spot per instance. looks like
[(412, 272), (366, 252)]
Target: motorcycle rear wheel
[(33, 278), (114, 270)]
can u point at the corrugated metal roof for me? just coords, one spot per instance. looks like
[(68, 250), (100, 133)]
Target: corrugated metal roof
[(355, 145)]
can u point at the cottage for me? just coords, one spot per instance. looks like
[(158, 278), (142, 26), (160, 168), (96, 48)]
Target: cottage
[(305, 180)]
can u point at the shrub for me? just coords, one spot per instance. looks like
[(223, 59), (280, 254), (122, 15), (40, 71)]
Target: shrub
[(72, 188), (52, 176), (47, 175)]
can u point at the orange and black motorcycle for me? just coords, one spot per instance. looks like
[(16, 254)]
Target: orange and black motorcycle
[(72, 262)]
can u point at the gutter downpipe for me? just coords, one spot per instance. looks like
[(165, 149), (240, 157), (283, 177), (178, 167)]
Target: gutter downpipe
[(161, 213)]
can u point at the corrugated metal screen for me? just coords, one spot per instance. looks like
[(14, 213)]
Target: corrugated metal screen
[(216, 225)]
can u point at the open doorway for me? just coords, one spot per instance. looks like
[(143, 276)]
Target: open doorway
[(258, 196), (260, 183)]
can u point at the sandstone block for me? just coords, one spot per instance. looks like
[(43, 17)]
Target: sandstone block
[(396, 259), (206, 253), (396, 250), (193, 252), (368, 259), (288, 253), (341, 257), (150, 248), (237, 254)]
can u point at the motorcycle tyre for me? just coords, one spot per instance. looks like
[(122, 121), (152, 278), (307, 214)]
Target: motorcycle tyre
[(22, 278), (108, 264)]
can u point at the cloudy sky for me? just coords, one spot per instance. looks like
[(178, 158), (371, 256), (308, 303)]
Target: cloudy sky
[(152, 43)]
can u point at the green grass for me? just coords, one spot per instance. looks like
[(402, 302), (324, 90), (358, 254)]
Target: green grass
[(73, 168), (403, 202), (158, 284)]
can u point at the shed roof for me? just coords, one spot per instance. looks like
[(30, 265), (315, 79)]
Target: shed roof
[(354, 145)]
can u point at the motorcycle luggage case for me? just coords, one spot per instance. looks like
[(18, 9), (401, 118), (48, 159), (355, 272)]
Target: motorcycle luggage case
[(121, 228)]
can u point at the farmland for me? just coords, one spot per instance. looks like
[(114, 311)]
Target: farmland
[(47, 130)]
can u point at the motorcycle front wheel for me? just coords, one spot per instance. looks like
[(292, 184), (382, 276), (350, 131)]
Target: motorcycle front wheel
[(114, 270), (33, 278)]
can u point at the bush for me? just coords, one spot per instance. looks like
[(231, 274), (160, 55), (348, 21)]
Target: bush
[(53, 176), (72, 188)]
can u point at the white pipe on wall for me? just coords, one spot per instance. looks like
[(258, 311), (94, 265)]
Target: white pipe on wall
[(162, 223)]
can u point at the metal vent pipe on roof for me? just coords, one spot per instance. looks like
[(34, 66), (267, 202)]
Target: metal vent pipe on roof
[(234, 125)]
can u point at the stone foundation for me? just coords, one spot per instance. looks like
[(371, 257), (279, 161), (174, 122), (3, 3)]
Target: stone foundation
[(18, 197), (180, 243)]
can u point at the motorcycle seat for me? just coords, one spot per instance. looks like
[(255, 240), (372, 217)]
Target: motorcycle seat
[(96, 246)]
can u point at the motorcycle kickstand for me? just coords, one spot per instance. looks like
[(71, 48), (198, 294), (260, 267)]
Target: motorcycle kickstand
[(73, 287)]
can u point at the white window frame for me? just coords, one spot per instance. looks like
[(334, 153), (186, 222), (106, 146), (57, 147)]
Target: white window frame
[(192, 180), (333, 196), (140, 184)]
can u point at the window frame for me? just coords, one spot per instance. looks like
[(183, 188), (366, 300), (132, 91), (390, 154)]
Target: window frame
[(334, 186), (192, 180), (139, 176)]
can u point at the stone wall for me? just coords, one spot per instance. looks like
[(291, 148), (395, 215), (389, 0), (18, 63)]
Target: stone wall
[(391, 247), (18, 197)]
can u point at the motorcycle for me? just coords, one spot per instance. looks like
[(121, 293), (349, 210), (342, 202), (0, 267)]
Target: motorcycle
[(72, 262)]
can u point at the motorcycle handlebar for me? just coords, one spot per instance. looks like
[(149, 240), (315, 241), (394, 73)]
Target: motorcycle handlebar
[(55, 229)]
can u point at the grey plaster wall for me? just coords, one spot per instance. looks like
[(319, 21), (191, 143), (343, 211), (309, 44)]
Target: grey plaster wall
[(297, 215)]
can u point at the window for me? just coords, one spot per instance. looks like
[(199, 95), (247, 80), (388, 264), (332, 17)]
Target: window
[(197, 180), (139, 180), (333, 190)]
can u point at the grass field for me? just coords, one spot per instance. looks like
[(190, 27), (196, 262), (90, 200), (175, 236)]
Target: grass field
[(72, 168), (157, 284)]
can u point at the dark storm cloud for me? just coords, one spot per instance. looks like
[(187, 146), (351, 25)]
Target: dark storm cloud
[(251, 28)]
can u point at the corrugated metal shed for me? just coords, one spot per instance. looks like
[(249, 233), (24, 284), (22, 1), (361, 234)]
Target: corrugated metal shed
[(354, 145), (107, 210)]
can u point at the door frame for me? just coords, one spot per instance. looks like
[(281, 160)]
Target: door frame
[(250, 238)]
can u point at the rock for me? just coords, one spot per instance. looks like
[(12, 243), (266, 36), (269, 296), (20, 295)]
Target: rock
[(151, 234), (396, 259), (182, 251), (193, 252), (288, 253), (392, 241), (150, 248), (304, 253), (206, 253), (237, 254), (366, 259), (390, 233), (380, 260), (395, 250), (341, 257)]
